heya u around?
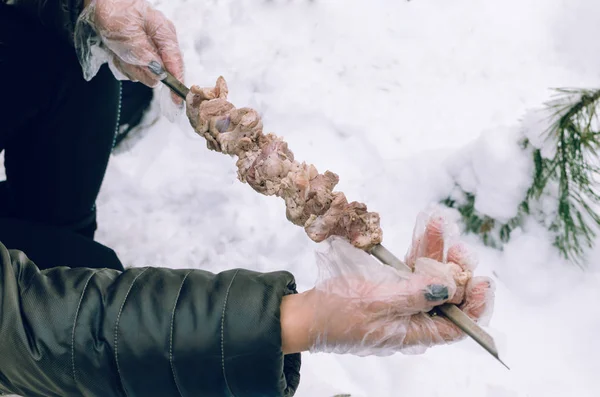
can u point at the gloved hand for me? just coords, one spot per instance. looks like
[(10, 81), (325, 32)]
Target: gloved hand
[(130, 35), (365, 308)]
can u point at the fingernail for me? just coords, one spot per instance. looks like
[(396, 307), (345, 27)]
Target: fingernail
[(155, 68), (436, 292)]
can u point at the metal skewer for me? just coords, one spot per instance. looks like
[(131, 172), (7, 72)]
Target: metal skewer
[(451, 312), (170, 81)]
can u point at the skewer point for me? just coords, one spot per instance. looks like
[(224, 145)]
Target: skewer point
[(502, 362)]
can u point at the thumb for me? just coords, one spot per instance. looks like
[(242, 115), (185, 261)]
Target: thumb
[(163, 34), (431, 285), (434, 270)]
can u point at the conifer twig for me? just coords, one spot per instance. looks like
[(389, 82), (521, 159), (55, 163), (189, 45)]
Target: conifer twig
[(573, 168)]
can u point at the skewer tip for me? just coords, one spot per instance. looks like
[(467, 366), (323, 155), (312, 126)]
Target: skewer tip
[(502, 362)]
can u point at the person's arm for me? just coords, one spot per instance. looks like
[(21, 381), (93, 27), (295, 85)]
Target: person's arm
[(296, 321), (58, 15), (145, 331)]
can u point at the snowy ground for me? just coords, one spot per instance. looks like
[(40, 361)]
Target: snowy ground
[(387, 94)]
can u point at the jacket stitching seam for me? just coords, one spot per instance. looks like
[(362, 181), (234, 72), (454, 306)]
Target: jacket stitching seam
[(75, 324), (171, 335), (223, 333), (117, 330)]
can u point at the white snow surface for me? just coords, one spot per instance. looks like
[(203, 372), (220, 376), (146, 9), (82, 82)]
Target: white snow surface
[(399, 99)]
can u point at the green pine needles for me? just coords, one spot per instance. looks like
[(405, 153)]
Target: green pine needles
[(569, 176)]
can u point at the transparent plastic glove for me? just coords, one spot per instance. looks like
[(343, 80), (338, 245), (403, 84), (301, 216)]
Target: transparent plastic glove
[(362, 307), (131, 36)]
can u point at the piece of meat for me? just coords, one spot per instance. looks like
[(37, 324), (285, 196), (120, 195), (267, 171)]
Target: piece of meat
[(267, 164), (295, 190), (247, 158), (320, 195), (238, 131), (320, 227), (308, 193), (351, 220), (207, 108), (272, 165)]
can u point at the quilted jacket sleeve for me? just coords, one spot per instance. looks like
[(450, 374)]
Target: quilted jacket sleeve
[(142, 332), (58, 15)]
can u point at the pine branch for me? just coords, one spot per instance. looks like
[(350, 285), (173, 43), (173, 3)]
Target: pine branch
[(492, 232), (574, 168)]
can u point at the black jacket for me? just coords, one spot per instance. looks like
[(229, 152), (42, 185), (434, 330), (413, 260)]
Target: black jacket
[(57, 15), (143, 332)]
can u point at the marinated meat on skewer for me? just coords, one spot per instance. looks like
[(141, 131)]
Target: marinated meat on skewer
[(267, 164)]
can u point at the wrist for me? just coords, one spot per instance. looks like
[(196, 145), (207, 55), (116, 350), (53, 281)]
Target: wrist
[(296, 321)]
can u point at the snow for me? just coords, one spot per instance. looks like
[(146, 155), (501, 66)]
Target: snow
[(400, 99), (501, 187)]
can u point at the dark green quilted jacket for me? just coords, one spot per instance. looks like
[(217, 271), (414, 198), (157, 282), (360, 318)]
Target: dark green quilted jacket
[(143, 332)]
